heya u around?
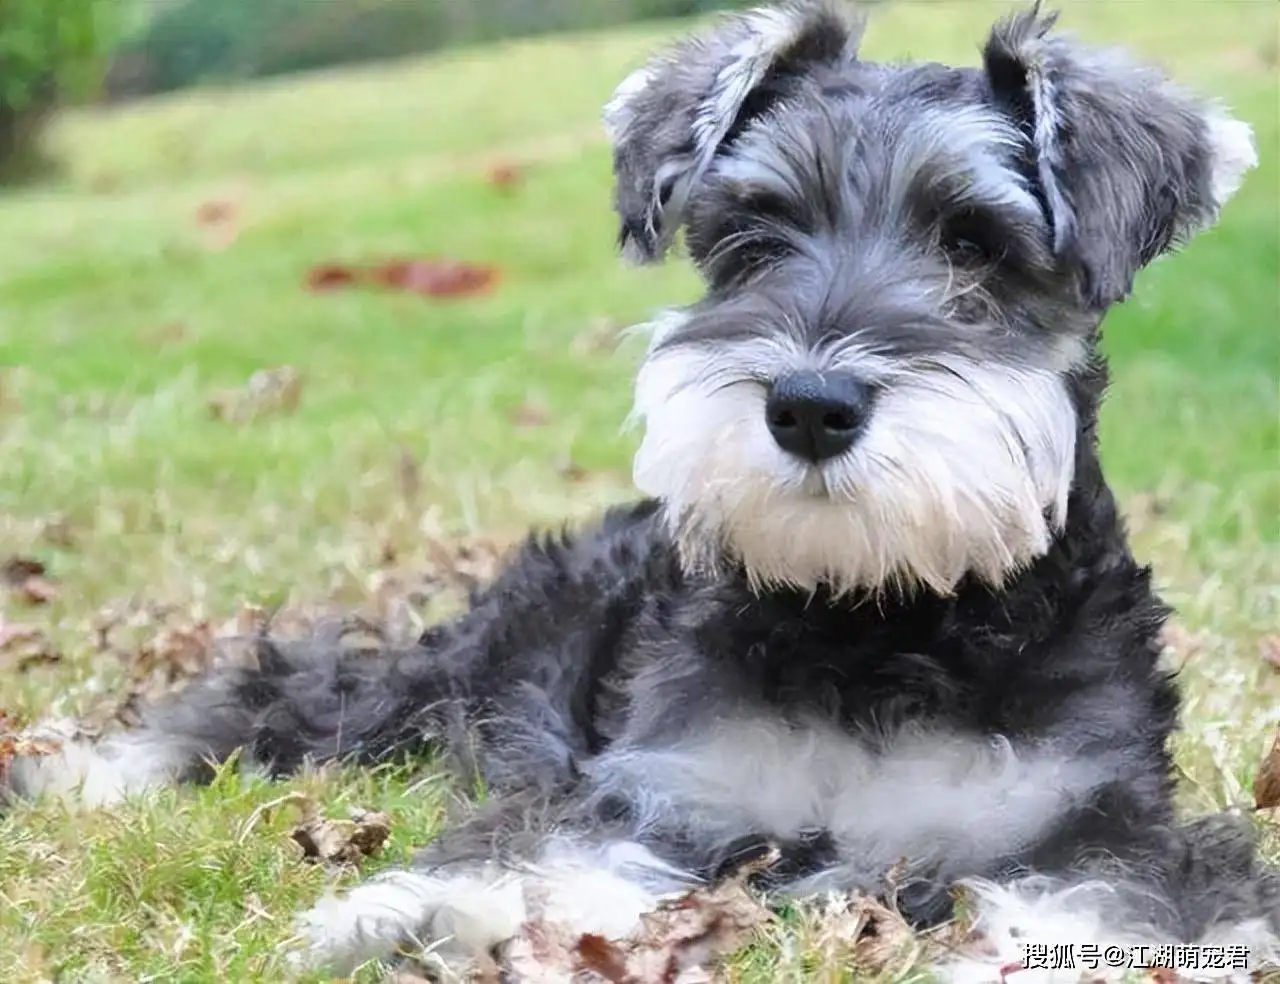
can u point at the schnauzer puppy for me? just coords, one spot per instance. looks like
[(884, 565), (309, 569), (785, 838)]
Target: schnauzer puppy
[(878, 609)]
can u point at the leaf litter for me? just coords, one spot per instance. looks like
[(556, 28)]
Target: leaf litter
[(1266, 785), (28, 580), (16, 742), (23, 647), (686, 938), (431, 276), (341, 843)]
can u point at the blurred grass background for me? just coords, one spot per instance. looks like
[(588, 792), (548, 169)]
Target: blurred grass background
[(160, 262)]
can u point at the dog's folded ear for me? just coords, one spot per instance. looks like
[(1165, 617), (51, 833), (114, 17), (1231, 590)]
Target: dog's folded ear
[(667, 120), (1128, 165)]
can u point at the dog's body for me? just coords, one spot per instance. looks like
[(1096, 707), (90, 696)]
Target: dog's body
[(880, 610)]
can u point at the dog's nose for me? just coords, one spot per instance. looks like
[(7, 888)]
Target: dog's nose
[(817, 416)]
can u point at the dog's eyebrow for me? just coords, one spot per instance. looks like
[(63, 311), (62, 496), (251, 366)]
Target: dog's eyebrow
[(962, 153)]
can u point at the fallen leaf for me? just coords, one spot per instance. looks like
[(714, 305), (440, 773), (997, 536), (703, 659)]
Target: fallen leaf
[(436, 277), (468, 564), (269, 391), (1266, 785), (1181, 643), (16, 633), (1270, 647), (15, 742), (876, 938), (164, 663), (15, 570), (215, 212), (327, 276), (505, 175), (341, 842), (430, 277), (597, 954), (571, 471), (23, 647), (529, 415), (28, 580), (217, 219)]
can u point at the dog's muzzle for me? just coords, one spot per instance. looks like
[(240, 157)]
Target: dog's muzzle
[(816, 416)]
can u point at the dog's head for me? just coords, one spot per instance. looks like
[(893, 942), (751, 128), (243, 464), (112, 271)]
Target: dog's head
[(905, 265)]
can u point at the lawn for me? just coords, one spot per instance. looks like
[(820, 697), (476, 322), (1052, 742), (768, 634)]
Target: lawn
[(168, 265)]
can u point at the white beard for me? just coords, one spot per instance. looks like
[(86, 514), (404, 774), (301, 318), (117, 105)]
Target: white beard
[(963, 468)]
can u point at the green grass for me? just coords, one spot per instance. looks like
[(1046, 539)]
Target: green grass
[(119, 322)]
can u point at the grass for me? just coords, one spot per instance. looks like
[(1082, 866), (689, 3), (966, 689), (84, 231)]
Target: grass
[(120, 318)]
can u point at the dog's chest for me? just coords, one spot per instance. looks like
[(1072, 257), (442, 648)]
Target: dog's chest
[(917, 795)]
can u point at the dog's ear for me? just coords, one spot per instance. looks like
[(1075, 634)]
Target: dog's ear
[(1128, 165), (667, 120)]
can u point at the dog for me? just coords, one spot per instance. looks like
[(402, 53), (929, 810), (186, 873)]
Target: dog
[(875, 607)]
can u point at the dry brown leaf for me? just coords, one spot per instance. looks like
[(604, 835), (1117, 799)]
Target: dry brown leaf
[(269, 391), (218, 221), (436, 277), (1181, 642), (468, 563), (1270, 647), (17, 569), (505, 175), (15, 743), (1266, 785), (165, 663), (23, 647), (530, 414), (341, 842), (14, 635), (38, 591), (878, 937), (571, 471), (215, 212), (327, 276), (28, 580)]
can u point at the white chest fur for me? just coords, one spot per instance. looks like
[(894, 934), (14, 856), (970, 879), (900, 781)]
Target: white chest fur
[(925, 795)]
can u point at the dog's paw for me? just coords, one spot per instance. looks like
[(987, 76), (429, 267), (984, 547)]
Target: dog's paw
[(447, 924)]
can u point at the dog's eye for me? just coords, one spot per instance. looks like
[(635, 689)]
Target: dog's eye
[(969, 235)]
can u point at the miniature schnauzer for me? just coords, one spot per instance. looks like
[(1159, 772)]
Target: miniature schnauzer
[(878, 609)]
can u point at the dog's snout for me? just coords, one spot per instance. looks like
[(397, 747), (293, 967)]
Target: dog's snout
[(817, 416)]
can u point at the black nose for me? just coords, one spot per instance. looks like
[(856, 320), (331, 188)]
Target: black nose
[(816, 416)]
